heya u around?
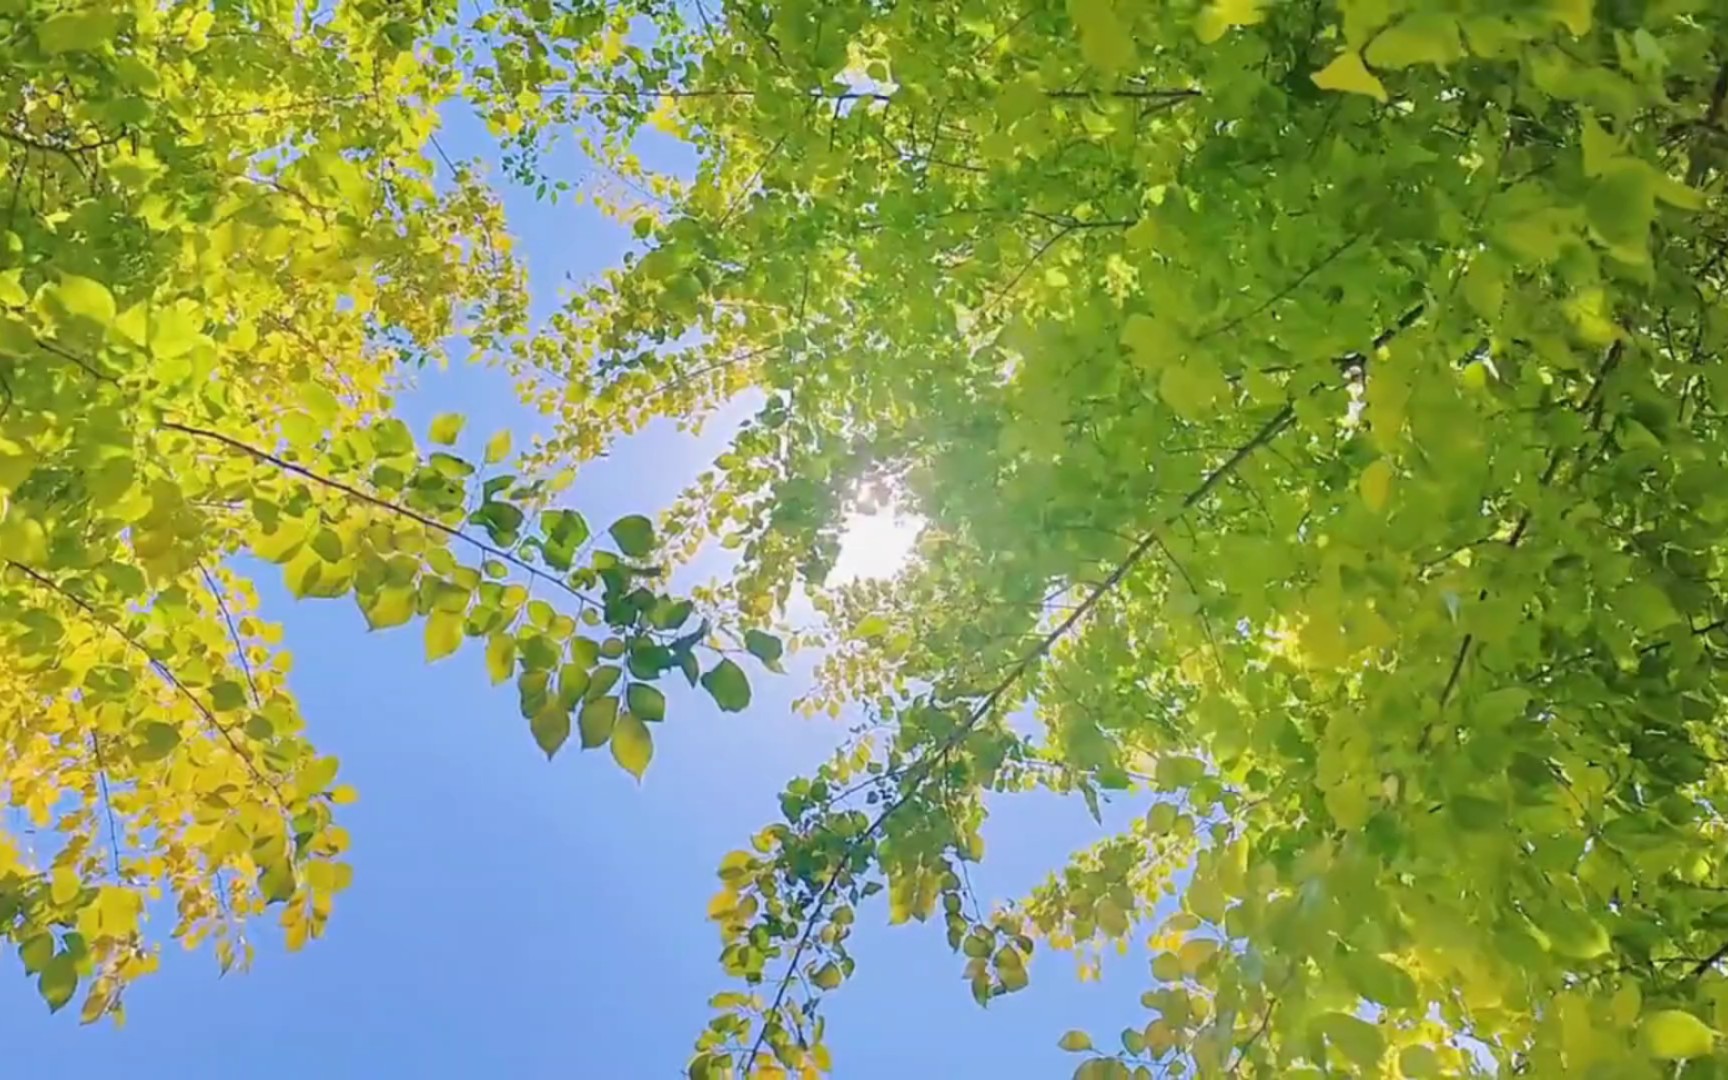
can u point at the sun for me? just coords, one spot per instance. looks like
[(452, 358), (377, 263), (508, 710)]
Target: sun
[(875, 545)]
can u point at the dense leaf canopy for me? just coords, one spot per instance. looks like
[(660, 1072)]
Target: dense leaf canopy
[(1314, 407), (223, 248)]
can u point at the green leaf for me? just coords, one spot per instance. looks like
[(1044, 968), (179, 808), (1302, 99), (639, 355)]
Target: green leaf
[(1621, 205), (443, 634), (646, 702), (327, 545), (447, 428), (1674, 1035), (1574, 934), (37, 952), (764, 647), (729, 687), (634, 536), (596, 722), (632, 745), (551, 726), (58, 981), (75, 31), (1427, 37), (827, 977), (1360, 1041), (601, 680), (156, 741), (1075, 1042)]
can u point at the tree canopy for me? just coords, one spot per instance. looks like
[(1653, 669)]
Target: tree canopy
[(1315, 409)]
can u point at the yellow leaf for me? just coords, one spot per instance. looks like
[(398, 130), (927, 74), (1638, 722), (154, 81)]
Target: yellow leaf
[(443, 634), (64, 886), (1675, 1035), (500, 657), (1194, 953), (1348, 74), (1376, 484), (446, 427), (1574, 13), (117, 910), (498, 448), (1075, 1042), (722, 904)]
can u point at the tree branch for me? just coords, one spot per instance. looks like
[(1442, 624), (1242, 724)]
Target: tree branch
[(985, 706), (162, 670), (385, 504)]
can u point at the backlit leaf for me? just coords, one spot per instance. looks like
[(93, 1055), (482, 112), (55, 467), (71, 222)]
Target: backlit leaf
[(1348, 74), (632, 745)]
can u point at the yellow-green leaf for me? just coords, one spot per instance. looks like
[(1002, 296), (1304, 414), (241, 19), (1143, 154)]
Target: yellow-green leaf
[(1376, 484), (58, 981), (447, 428), (1349, 75), (1428, 37), (1075, 1042), (75, 31), (443, 634), (551, 727), (1675, 1035), (500, 657), (632, 745), (84, 298), (596, 723)]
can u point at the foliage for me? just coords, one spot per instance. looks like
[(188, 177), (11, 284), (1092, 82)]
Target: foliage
[(223, 249), (1316, 409)]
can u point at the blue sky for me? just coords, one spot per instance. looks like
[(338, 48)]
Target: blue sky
[(511, 917)]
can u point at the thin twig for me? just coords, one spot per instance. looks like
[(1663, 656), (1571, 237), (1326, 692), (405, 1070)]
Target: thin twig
[(233, 633), (989, 702), (163, 671), (89, 368), (385, 504), (1591, 400), (107, 804), (1300, 280)]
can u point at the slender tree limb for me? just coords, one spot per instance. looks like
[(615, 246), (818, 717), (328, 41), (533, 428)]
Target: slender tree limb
[(989, 702), (384, 504), (107, 803), (1590, 404), (233, 634), (1301, 279), (163, 671)]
